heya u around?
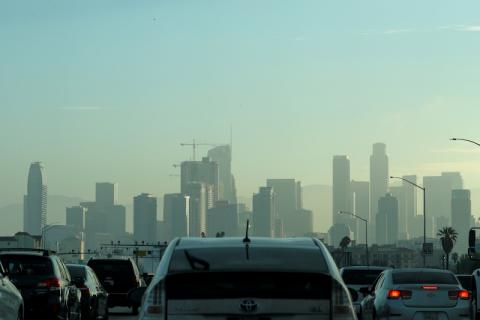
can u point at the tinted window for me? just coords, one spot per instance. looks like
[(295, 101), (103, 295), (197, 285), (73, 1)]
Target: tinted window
[(77, 272), (224, 285), (424, 278), (466, 282), (255, 259), (112, 268), (360, 277), (23, 265)]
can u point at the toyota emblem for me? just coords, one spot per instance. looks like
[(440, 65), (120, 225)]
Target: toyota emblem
[(248, 306)]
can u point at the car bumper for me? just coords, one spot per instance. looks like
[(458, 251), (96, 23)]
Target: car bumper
[(118, 300), (409, 313)]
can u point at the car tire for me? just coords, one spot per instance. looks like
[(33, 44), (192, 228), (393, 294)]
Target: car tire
[(134, 310), (20, 314), (477, 316)]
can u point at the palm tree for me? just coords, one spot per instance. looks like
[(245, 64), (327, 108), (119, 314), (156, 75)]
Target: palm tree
[(448, 237)]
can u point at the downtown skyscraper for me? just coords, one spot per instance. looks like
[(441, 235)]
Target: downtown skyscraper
[(378, 179), (35, 201), (222, 155), (342, 197), (145, 218)]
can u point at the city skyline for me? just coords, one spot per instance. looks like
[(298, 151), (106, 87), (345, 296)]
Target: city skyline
[(96, 107)]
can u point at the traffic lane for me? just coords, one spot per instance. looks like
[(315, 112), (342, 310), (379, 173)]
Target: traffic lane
[(121, 313)]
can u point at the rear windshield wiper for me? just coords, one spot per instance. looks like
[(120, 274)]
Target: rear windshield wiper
[(196, 263)]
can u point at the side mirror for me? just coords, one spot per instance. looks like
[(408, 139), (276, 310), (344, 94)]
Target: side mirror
[(365, 290), (136, 295)]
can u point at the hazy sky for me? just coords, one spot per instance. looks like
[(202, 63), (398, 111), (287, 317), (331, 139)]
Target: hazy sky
[(106, 90)]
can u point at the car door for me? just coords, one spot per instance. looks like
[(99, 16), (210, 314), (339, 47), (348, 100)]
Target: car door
[(368, 303), (9, 301), (101, 294)]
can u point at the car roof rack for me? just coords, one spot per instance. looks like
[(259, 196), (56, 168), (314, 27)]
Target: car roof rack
[(44, 252)]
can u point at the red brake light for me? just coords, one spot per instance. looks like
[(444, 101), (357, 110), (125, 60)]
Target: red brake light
[(50, 283), (430, 287), (464, 294), (397, 294), (394, 294)]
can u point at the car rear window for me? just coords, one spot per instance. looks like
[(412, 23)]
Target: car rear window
[(112, 268), (466, 281), (25, 265), (225, 285), (248, 259), (424, 278), (360, 277), (77, 272)]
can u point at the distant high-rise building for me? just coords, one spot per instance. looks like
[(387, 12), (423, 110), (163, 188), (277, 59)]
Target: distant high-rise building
[(299, 195), (176, 215), (198, 205), (361, 196), (342, 196), (461, 217), (410, 205), (205, 171), (222, 155), (387, 220), (223, 217), (106, 194), (438, 191), (76, 217), (378, 178), (145, 218), (286, 193), (35, 201), (104, 218), (264, 212), (398, 192)]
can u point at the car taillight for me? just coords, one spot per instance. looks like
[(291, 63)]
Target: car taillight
[(397, 294), (50, 284), (341, 303), (458, 294), (155, 301)]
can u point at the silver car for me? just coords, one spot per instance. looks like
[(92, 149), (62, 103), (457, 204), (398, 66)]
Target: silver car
[(257, 278), (417, 294), (11, 302), (358, 279)]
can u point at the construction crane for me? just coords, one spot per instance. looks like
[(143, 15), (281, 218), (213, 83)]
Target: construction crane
[(194, 146)]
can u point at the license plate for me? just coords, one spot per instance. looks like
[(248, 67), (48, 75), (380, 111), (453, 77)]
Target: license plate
[(430, 316)]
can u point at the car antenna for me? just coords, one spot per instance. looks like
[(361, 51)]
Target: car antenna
[(247, 239)]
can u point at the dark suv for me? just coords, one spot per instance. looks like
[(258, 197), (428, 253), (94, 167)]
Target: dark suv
[(118, 276), (44, 282)]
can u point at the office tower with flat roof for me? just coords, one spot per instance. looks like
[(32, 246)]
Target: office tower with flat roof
[(76, 217), (286, 194), (205, 171), (264, 212), (223, 218), (361, 207), (410, 205), (106, 194), (461, 217), (35, 201), (387, 220), (176, 209), (222, 155), (398, 192), (439, 197), (197, 191), (342, 197), (378, 178), (145, 218)]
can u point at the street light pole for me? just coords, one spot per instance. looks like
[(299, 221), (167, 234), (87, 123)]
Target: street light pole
[(460, 139), (424, 214), (366, 231)]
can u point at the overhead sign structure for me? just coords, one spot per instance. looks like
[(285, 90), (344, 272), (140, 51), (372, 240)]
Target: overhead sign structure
[(428, 248)]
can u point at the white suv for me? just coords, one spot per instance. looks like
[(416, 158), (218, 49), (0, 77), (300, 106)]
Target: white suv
[(251, 278)]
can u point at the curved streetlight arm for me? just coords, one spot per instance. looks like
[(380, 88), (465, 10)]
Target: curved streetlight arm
[(460, 139), (408, 181), (353, 215)]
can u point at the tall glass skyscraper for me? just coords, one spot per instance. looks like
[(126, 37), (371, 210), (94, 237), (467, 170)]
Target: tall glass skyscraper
[(35, 201)]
